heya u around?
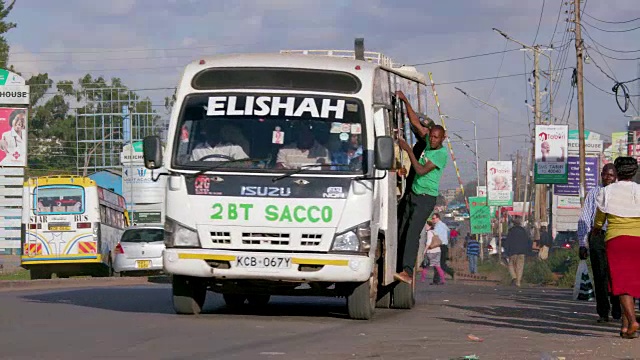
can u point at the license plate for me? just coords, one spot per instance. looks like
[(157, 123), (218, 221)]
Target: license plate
[(265, 262), (143, 264), (59, 228)]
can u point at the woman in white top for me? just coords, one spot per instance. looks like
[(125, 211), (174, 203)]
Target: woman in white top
[(432, 255)]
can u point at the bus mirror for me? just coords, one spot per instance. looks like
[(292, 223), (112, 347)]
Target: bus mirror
[(152, 152), (384, 155)]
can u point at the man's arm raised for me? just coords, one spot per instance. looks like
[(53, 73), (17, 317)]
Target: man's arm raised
[(420, 130)]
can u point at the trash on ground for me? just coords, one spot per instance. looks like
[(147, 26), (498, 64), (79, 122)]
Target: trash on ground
[(474, 338)]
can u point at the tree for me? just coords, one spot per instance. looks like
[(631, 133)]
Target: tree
[(469, 190), (4, 28)]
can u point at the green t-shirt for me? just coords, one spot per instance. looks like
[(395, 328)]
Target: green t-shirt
[(429, 183)]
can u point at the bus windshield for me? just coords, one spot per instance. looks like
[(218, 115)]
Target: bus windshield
[(59, 199), (270, 132)]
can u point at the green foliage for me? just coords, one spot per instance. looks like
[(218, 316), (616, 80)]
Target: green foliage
[(538, 272), (492, 269), (4, 28)]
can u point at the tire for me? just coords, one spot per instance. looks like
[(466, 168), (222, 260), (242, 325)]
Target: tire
[(384, 301), (361, 303), (258, 300), (40, 274), (234, 301), (189, 294), (404, 295)]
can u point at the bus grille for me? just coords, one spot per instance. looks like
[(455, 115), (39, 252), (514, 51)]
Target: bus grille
[(221, 237), (265, 239)]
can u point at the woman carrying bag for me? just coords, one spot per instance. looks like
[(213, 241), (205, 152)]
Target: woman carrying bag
[(619, 206), (432, 254)]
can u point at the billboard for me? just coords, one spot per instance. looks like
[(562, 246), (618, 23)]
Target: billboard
[(551, 154), (618, 145), (499, 183), (13, 137), (572, 187)]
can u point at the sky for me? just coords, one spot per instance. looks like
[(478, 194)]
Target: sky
[(147, 43)]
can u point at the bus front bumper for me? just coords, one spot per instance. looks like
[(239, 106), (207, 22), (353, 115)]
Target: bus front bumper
[(267, 266)]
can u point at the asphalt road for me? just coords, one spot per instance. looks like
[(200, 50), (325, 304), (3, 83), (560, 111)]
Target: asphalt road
[(137, 322)]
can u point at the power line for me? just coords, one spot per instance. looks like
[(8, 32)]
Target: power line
[(553, 35), (464, 57), (610, 22), (611, 31), (539, 22), (506, 43), (615, 58), (489, 78)]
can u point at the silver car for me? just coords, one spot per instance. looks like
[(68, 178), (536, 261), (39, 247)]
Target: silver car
[(139, 250)]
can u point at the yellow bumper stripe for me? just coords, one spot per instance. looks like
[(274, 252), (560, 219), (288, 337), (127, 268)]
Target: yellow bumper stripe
[(206, 257), (300, 261)]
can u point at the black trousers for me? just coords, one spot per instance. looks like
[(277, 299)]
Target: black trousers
[(413, 217), (600, 267)]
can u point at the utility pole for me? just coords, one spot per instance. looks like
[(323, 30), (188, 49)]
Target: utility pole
[(516, 193), (579, 64), (527, 203), (539, 211)]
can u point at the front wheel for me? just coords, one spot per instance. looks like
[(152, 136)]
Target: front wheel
[(189, 294), (361, 303)]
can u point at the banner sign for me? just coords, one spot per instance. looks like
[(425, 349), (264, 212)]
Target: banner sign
[(480, 215), (572, 187), (13, 140), (551, 154), (499, 183)]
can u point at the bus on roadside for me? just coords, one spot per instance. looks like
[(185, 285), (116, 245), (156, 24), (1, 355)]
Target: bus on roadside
[(70, 227), (281, 179)]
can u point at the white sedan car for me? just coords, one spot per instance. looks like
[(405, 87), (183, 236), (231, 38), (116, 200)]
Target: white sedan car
[(139, 250)]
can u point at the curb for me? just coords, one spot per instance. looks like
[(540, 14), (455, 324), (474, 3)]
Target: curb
[(12, 285)]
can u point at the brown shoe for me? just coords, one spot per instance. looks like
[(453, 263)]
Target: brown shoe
[(404, 277)]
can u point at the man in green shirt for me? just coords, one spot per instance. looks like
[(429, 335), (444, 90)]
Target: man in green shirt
[(424, 192)]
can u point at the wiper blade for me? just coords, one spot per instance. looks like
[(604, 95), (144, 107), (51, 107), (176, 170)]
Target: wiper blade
[(222, 163), (304, 168)]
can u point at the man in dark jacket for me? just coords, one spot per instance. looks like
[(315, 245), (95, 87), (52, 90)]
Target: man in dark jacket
[(518, 245), (545, 243)]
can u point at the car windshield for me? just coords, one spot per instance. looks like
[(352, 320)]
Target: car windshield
[(143, 235), (269, 132)]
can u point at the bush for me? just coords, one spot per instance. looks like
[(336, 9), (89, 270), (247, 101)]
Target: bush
[(538, 273)]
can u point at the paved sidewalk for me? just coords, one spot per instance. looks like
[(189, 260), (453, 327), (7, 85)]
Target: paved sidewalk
[(513, 324)]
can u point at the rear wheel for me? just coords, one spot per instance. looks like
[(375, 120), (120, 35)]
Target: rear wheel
[(361, 303), (189, 294)]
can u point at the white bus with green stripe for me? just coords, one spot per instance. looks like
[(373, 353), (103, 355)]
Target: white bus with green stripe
[(281, 180)]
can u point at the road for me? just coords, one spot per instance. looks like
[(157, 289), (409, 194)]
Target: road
[(136, 322)]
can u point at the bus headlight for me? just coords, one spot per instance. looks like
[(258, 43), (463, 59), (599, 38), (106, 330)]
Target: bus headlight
[(357, 239), (178, 235)]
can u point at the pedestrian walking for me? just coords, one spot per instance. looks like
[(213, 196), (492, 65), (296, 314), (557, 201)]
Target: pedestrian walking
[(473, 251), (517, 246), (442, 230), (454, 237), (425, 189), (546, 241), (432, 254), (619, 206), (593, 246)]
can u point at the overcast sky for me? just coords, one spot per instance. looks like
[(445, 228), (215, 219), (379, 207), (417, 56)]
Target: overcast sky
[(147, 42)]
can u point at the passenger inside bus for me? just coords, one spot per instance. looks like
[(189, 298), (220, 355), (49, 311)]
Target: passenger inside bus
[(305, 151), (348, 152), (217, 142)]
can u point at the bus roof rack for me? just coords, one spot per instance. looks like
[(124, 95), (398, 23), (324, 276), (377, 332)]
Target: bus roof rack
[(369, 56)]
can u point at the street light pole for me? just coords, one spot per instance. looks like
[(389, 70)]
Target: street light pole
[(495, 108), (475, 138)]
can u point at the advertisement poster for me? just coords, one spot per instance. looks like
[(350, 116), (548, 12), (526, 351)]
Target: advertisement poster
[(499, 183), (13, 137), (591, 171), (551, 154), (480, 215), (481, 191), (618, 145)]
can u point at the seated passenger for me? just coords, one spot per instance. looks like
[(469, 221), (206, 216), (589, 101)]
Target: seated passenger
[(216, 143), (306, 151), (350, 153)]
